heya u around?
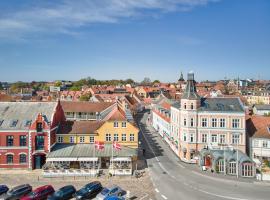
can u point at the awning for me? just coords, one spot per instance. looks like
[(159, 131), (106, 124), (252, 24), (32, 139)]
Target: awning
[(61, 159), (87, 159), (122, 159)]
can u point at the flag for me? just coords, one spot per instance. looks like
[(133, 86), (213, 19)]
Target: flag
[(116, 145), (99, 145)]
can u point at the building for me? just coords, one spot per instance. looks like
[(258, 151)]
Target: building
[(258, 97), (205, 124), (76, 153), (75, 110), (261, 109), (258, 139), (28, 132)]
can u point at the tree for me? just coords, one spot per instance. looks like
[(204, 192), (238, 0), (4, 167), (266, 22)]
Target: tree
[(146, 81), (1, 87), (129, 81), (57, 84), (75, 88), (85, 97), (156, 81)]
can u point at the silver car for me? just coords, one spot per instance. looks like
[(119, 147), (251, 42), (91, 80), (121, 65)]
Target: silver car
[(111, 191)]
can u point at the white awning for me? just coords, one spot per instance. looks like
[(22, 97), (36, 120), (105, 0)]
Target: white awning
[(61, 159), (122, 159), (87, 159)]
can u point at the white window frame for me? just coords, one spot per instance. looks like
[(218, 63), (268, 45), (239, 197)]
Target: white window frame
[(108, 137), (60, 139), (91, 139), (124, 137), (72, 139), (81, 139), (132, 137)]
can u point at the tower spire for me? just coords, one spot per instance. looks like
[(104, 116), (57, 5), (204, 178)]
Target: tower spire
[(190, 91)]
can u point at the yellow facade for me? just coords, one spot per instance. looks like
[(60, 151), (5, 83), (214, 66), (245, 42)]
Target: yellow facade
[(107, 129)]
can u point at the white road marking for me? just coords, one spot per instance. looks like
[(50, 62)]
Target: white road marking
[(181, 165), (156, 190), (164, 197), (221, 196)]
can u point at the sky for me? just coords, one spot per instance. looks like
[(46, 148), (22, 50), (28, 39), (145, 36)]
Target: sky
[(120, 39)]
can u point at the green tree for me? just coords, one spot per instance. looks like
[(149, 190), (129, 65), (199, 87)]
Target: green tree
[(156, 81), (1, 87), (85, 97), (57, 84)]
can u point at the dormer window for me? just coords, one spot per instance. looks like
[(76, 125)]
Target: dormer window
[(39, 127), (13, 123), (27, 123)]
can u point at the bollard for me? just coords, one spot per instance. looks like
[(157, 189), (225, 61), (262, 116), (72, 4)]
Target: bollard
[(128, 194)]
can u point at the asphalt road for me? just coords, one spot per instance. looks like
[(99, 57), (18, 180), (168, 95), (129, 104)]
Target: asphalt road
[(175, 180)]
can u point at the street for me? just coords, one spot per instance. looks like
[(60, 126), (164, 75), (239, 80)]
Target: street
[(173, 179)]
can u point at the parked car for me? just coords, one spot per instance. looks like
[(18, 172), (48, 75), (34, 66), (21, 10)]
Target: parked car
[(40, 193), (114, 198), (111, 191), (89, 191), (3, 189), (17, 192), (63, 193)]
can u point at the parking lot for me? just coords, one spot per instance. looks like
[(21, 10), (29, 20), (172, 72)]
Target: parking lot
[(139, 188)]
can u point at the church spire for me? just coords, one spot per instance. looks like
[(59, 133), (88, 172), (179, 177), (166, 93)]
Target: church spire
[(181, 77)]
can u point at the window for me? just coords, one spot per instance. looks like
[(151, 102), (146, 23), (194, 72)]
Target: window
[(185, 154), (124, 137), (191, 155), (247, 169), (115, 137), (264, 144), (13, 123), (71, 139), (191, 137), (256, 143), (204, 138), (108, 137), (39, 127), (235, 123), (204, 122), (39, 142), (131, 137), (185, 106), (22, 158), (81, 139), (9, 159), (22, 140), (191, 122), (92, 139), (185, 137), (185, 122), (60, 139), (220, 165), (115, 124), (235, 138), (222, 139), (124, 124), (10, 139), (214, 122), (232, 168), (214, 138), (222, 123), (191, 106)]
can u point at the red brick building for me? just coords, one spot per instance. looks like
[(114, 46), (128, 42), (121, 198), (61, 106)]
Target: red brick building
[(28, 132)]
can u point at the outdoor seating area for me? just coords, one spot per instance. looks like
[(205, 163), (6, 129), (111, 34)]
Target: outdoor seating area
[(121, 166)]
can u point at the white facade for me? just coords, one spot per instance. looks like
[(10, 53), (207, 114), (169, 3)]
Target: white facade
[(260, 148)]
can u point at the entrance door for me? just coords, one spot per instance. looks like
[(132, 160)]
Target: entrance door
[(39, 161), (207, 161)]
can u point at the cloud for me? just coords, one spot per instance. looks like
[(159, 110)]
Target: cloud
[(68, 16)]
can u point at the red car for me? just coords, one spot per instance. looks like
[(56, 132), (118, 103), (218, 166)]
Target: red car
[(40, 193)]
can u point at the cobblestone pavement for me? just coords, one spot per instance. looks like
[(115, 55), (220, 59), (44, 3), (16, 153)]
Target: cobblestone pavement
[(140, 188)]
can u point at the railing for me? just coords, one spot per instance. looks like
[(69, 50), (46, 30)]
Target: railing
[(70, 172)]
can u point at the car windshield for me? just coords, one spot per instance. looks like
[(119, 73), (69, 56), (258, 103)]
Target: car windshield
[(105, 191), (83, 190), (58, 193)]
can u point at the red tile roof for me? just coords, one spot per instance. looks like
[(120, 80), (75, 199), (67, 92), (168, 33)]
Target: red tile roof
[(72, 106), (258, 126), (80, 127)]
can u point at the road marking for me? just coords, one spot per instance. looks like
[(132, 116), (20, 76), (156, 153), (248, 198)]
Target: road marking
[(181, 165), (221, 196), (143, 197), (164, 197), (156, 190)]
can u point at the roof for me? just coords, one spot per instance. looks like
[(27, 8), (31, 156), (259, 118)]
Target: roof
[(118, 114), (72, 106), (262, 107), (22, 112), (258, 126), (80, 127), (88, 150), (222, 104)]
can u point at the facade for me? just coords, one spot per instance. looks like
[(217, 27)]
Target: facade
[(260, 97), (261, 109), (28, 132)]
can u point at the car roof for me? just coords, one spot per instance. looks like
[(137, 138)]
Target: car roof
[(21, 186), (67, 186), (42, 188), (93, 183), (112, 187)]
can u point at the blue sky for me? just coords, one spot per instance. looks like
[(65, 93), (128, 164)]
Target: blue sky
[(119, 39)]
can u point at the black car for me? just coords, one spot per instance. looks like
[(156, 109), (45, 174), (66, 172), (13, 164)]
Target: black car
[(63, 193), (17, 192), (89, 191), (3, 189)]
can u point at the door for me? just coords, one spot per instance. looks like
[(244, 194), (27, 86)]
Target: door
[(207, 162), (37, 162)]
